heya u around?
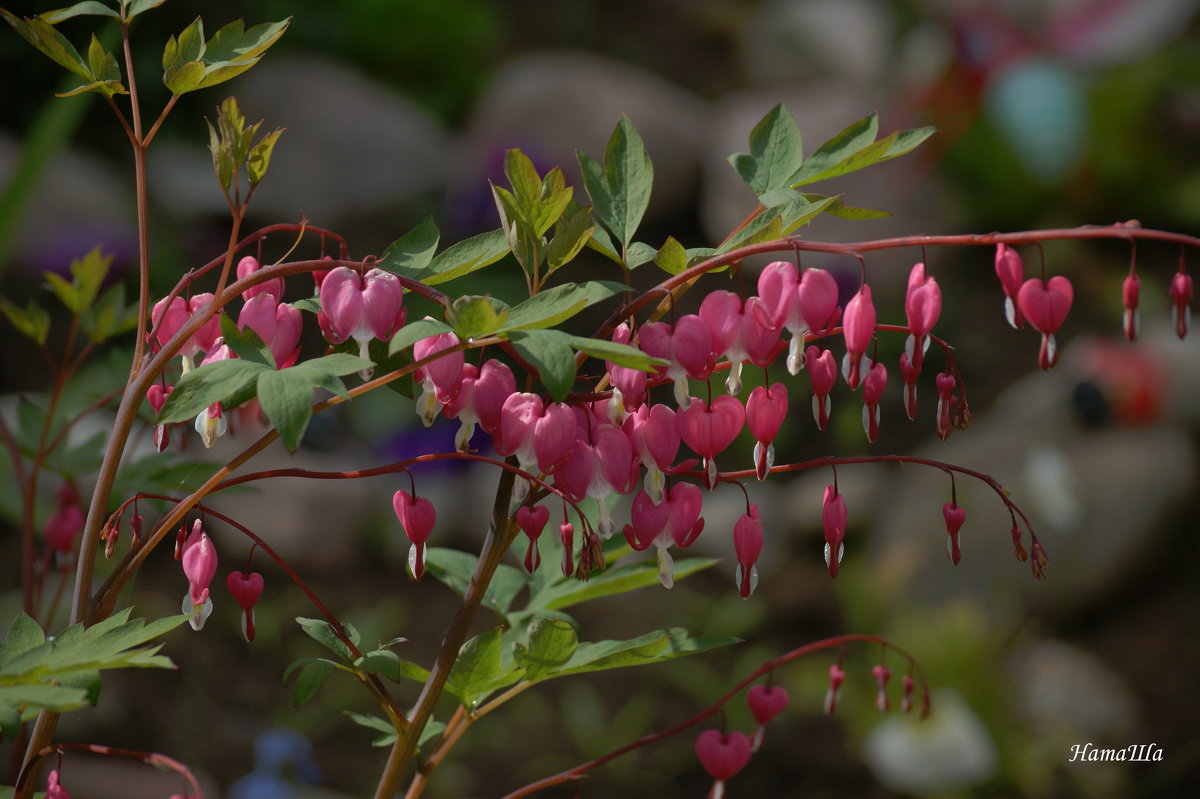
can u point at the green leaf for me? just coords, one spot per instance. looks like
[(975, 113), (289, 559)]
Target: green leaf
[(893, 145), (338, 363), (412, 253), (219, 381), (466, 257), (473, 316), (549, 352), (287, 399), (388, 664), (571, 233), (843, 211), (839, 147), (620, 191), (260, 157), (620, 354), (778, 221), (323, 633), (522, 176), (377, 724), (411, 333), (551, 644), (138, 6), (245, 343), (42, 35), (614, 580), (23, 635), (233, 43), (671, 257), (649, 648), (639, 253), (109, 316), (313, 674), (602, 243), (479, 670), (552, 306), (776, 152), (85, 9), (455, 569), (32, 321)]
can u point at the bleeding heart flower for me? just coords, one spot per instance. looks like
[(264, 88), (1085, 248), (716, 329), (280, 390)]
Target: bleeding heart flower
[(908, 684), (910, 373), (722, 754), (1045, 305), (739, 332), (945, 383), (199, 566), (709, 429), (532, 522), (276, 323), (747, 543), (873, 385), (823, 370), (922, 307), (53, 789), (766, 702), (599, 462), (687, 347), (834, 518), (858, 328), (1011, 272), (882, 674), (246, 588), (834, 692), (566, 534), (653, 431), (629, 385), (417, 516), (441, 378), (536, 433), (361, 307), (766, 408), (248, 266), (1180, 293), (955, 516), (170, 317), (1130, 289)]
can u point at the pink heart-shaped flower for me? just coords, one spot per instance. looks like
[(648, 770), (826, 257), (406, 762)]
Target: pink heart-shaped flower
[(709, 429), (766, 702), (246, 588), (722, 754), (1045, 303)]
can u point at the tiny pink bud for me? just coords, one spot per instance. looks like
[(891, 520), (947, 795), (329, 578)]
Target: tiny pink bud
[(873, 386), (1130, 289), (908, 684), (747, 543), (53, 789), (834, 518), (566, 532), (836, 677), (1180, 293), (955, 516), (882, 674), (822, 368)]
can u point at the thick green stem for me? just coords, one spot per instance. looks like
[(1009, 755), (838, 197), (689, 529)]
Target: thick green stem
[(503, 531)]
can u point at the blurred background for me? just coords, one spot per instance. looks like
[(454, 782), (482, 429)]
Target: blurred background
[(1049, 114)]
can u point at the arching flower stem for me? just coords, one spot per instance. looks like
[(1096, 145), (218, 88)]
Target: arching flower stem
[(578, 772)]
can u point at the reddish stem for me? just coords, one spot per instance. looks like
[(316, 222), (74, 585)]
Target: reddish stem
[(817, 646)]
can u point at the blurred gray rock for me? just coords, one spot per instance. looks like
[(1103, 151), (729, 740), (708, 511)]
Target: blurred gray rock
[(550, 104), (786, 41), (352, 146), (79, 202)]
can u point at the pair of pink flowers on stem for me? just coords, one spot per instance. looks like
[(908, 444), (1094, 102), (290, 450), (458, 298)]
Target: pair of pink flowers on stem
[(724, 754), (199, 558)]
